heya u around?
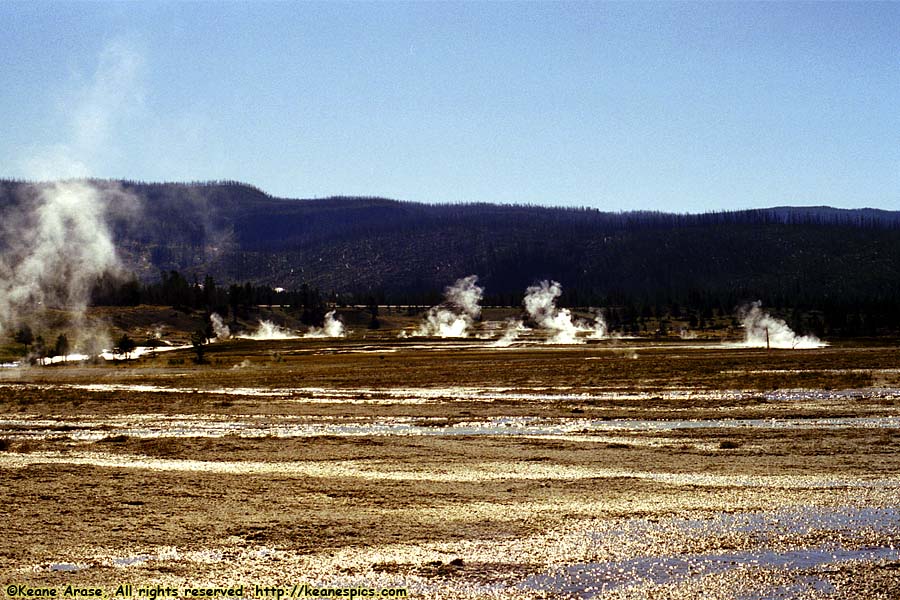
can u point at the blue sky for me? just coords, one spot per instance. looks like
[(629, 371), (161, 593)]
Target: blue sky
[(680, 107)]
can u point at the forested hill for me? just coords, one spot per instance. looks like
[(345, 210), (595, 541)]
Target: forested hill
[(787, 256)]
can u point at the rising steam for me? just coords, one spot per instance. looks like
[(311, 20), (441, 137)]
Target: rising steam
[(762, 330), (220, 329), (600, 330), (332, 328), (514, 328), (268, 330), (456, 315), (540, 304), (55, 249), (55, 241)]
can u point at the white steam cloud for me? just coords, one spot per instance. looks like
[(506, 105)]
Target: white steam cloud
[(268, 330), (55, 248), (456, 315), (55, 240), (600, 330), (219, 327), (687, 334), (762, 330), (514, 328), (540, 304), (332, 328)]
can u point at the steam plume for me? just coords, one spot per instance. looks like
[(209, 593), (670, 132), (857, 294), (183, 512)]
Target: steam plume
[(268, 330), (540, 304), (331, 329), (761, 330), (55, 250), (687, 334), (219, 327), (514, 328), (57, 243), (600, 330), (457, 313)]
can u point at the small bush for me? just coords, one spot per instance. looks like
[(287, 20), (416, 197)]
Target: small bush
[(729, 445)]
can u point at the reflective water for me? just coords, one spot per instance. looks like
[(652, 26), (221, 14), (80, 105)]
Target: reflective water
[(591, 580), (129, 561), (67, 567), (853, 534)]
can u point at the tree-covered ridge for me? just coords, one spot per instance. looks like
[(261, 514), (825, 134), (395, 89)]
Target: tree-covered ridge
[(842, 262)]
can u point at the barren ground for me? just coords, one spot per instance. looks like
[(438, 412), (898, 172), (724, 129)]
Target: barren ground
[(624, 469)]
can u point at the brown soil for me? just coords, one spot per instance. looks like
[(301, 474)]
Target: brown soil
[(317, 499)]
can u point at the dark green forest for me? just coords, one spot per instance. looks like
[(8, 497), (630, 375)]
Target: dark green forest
[(839, 270)]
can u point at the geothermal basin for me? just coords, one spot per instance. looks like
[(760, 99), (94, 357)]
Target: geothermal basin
[(617, 470)]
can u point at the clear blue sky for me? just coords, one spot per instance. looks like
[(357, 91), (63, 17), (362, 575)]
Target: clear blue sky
[(660, 106)]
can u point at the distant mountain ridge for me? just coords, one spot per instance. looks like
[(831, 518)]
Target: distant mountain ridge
[(236, 232), (828, 214)]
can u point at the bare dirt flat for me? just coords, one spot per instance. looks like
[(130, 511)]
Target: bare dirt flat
[(453, 469)]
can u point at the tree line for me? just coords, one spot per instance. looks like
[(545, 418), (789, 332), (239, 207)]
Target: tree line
[(631, 313), (234, 300)]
